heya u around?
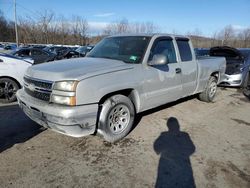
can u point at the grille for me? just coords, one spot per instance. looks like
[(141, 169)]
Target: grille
[(38, 95), (38, 83), (38, 89)]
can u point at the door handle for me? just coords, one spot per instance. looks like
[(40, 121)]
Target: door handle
[(178, 70)]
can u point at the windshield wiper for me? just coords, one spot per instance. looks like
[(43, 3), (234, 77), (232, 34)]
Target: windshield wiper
[(106, 57)]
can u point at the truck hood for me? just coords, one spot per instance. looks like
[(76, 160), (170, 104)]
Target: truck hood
[(76, 69), (225, 51)]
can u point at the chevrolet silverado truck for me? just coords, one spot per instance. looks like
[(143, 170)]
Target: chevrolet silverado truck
[(122, 76)]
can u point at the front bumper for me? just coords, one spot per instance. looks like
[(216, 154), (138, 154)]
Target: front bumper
[(235, 80), (74, 121)]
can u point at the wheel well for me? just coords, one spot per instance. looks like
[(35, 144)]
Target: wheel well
[(19, 85), (126, 92), (216, 75)]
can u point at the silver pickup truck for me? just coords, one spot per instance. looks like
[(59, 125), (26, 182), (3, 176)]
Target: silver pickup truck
[(122, 76)]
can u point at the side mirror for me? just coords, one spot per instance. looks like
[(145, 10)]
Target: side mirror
[(1, 60), (158, 59)]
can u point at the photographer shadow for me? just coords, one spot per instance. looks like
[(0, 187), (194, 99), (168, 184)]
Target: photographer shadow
[(175, 148)]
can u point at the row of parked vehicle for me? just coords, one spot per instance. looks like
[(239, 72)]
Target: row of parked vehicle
[(42, 53), (8, 46), (14, 64), (51, 53)]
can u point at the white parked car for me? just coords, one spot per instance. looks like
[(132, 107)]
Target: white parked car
[(12, 70)]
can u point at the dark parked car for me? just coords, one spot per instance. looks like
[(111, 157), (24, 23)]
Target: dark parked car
[(71, 54), (10, 47), (238, 64), (74, 48), (84, 49), (58, 50), (1, 46), (38, 55), (39, 46)]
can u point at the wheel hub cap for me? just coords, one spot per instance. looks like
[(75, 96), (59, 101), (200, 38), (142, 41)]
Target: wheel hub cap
[(7, 90), (118, 118), (213, 88)]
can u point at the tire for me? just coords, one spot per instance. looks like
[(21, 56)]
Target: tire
[(116, 118), (8, 89), (209, 93), (246, 86)]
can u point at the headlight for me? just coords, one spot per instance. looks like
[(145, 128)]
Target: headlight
[(71, 101), (65, 85), (64, 92)]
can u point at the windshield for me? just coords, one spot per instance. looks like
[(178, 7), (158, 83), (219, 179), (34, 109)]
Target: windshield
[(129, 49), (81, 49)]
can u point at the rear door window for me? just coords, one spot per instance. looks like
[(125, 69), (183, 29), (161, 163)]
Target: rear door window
[(184, 49)]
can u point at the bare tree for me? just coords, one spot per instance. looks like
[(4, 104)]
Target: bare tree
[(196, 36), (227, 34), (144, 27), (83, 27), (63, 29), (123, 26), (7, 29), (45, 20), (117, 27), (214, 41), (244, 37), (48, 28)]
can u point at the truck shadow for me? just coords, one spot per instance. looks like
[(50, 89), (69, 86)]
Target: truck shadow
[(174, 147), (159, 108), (15, 127)]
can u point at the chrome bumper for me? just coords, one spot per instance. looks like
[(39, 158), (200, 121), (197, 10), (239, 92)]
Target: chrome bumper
[(74, 121), (233, 80)]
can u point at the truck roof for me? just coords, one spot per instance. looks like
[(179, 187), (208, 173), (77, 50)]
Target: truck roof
[(151, 35)]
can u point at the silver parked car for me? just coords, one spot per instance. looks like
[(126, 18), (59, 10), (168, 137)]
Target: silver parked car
[(237, 67)]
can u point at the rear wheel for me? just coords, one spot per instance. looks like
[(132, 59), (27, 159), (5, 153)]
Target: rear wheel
[(8, 89), (209, 93), (116, 118)]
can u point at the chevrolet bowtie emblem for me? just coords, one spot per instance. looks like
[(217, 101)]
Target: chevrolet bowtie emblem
[(31, 87)]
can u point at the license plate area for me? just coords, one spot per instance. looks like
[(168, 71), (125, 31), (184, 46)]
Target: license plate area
[(30, 111)]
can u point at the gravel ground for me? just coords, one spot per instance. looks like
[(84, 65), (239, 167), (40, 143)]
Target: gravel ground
[(188, 143)]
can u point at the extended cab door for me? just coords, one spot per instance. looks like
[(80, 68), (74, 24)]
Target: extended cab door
[(162, 82), (188, 66)]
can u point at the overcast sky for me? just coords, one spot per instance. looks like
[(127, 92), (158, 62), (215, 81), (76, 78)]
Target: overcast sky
[(179, 16)]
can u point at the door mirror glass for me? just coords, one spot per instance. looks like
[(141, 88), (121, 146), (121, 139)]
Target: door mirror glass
[(158, 59)]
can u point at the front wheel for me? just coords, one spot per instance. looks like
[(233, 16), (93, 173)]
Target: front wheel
[(209, 92), (116, 118)]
